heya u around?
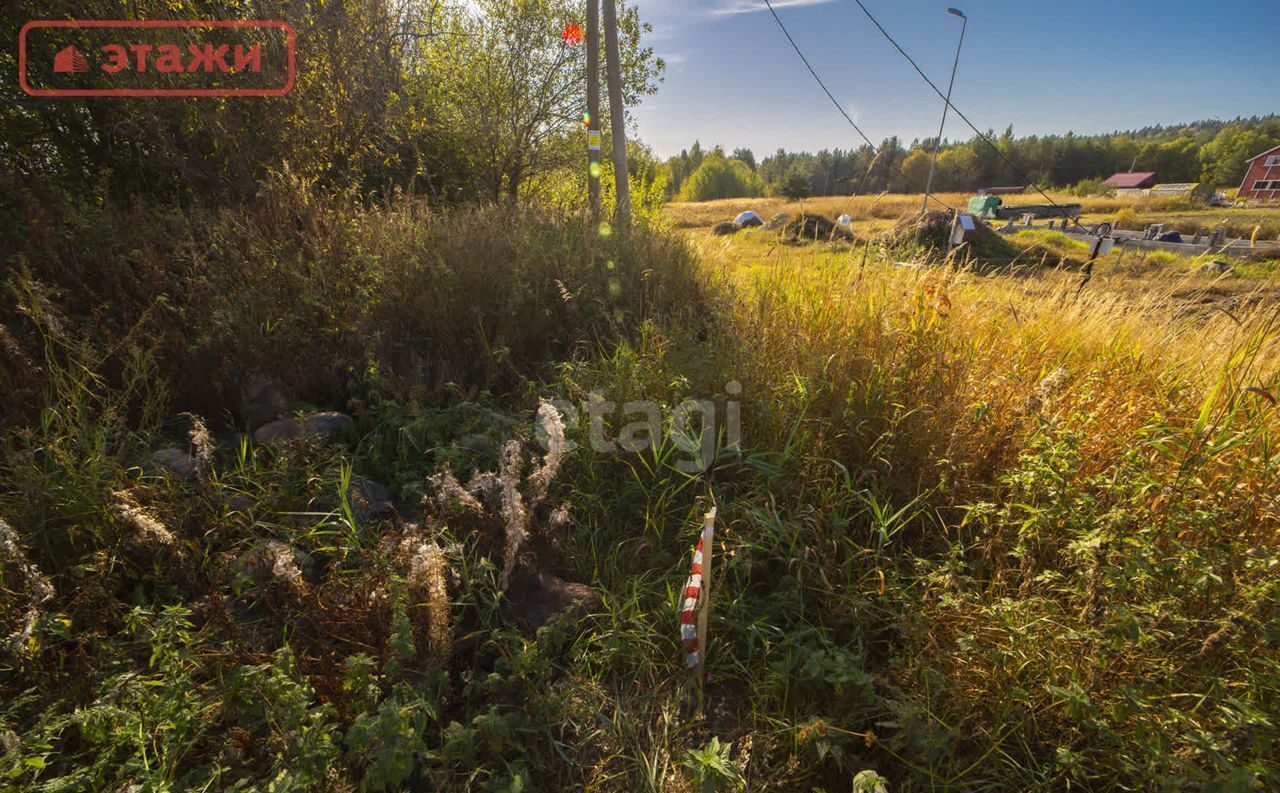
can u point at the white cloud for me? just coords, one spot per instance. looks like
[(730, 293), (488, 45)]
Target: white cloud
[(734, 7)]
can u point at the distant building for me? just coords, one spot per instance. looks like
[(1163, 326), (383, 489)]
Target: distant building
[(1194, 191), (1138, 180), (1262, 180)]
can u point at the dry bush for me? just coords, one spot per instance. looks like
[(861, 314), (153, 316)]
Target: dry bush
[(502, 504), (320, 289)]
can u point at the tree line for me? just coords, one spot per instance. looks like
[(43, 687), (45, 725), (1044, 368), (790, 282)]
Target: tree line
[(1213, 152)]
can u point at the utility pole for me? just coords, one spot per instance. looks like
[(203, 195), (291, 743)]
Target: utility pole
[(593, 108), (946, 104), (617, 115)]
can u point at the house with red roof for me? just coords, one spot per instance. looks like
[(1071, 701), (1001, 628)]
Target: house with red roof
[(1262, 180), (1134, 180)]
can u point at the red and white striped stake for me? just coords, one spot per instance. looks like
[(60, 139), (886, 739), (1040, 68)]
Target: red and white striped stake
[(697, 597)]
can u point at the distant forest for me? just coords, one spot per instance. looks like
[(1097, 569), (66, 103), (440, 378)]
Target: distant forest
[(1204, 151)]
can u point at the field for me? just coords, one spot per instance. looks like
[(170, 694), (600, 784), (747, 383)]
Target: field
[(875, 213)]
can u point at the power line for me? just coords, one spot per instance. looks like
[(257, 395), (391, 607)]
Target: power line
[(1021, 174), (835, 102)]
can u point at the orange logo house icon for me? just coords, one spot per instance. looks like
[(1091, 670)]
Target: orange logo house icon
[(69, 60)]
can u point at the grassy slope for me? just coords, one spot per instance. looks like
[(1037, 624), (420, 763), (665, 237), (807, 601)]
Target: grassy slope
[(982, 535)]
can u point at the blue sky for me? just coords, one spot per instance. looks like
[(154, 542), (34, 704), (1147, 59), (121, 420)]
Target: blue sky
[(1087, 66)]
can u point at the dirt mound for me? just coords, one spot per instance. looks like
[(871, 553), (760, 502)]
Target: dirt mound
[(814, 228), (727, 227)]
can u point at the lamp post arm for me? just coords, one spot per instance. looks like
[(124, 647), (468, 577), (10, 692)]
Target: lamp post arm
[(937, 145)]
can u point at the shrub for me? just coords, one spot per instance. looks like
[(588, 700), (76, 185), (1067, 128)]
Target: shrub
[(318, 290), (1091, 187), (718, 177), (797, 183)]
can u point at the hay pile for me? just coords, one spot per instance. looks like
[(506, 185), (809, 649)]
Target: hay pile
[(814, 228), (727, 227), (931, 231)]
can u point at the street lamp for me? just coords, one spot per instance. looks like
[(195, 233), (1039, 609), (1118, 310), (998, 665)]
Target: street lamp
[(955, 12)]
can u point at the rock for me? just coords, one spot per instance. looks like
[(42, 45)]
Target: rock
[(777, 221), (240, 503), (727, 227), (326, 424), (278, 430), (263, 399), (175, 461), (317, 425), (1218, 267), (534, 598), (371, 499)]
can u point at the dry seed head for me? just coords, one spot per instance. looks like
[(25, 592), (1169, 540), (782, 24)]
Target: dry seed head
[(1053, 383), (552, 424), (146, 530), (283, 564), (17, 570), (559, 518), (202, 443), (426, 581), (514, 514), (449, 495)]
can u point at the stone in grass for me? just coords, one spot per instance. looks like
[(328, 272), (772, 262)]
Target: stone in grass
[(316, 425), (263, 399), (371, 499), (777, 221), (534, 598), (239, 502), (175, 461), (1218, 267)]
